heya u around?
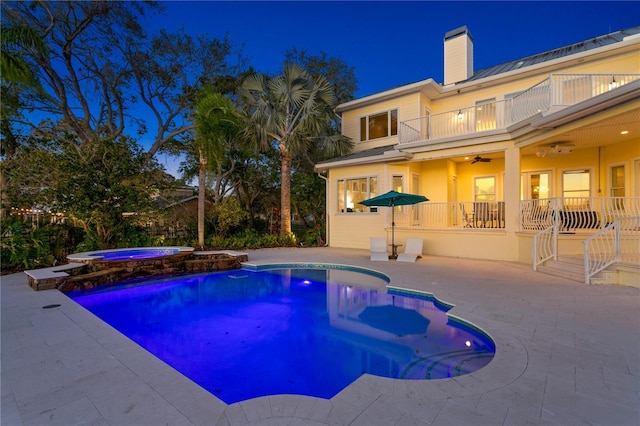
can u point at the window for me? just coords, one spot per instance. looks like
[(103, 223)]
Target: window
[(576, 183), (380, 125), (617, 181), (352, 191), (485, 188)]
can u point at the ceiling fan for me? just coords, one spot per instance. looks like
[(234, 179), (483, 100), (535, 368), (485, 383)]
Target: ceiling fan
[(480, 159)]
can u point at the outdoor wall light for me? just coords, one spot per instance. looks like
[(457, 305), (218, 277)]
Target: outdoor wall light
[(613, 84), (460, 115)]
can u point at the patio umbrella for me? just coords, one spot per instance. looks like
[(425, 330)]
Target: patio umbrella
[(393, 199)]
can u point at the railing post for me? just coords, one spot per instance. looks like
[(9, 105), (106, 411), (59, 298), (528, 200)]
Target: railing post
[(616, 242), (535, 253), (587, 262), (551, 90), (555, 241)]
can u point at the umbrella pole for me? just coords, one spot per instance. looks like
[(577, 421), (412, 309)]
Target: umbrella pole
[(394, 255)]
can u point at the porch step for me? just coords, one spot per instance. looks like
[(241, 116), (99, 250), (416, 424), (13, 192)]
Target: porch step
[(569, 267), (572, 268)]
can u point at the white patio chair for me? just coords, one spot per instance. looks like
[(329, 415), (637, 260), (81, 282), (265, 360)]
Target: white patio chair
[(413, 250), (379, 249)]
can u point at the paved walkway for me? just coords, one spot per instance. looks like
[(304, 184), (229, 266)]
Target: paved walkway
[(567, 354)]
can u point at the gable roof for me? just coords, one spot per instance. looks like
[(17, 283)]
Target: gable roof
[(560, 52)]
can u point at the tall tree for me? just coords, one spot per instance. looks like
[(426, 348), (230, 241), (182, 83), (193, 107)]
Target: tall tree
[(217, 126), (104, 74), (13, 67), (293, 113), (308, 190)]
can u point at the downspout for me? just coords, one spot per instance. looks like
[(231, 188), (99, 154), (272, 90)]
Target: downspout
[(326, 203)]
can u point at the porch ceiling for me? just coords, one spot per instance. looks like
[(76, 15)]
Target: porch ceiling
[(604, 132)]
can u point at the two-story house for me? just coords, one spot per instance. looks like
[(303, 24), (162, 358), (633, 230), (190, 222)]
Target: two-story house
[(521, 161)]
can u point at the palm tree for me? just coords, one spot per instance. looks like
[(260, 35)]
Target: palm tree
[(216, 124), (292, 112), (13, 67)]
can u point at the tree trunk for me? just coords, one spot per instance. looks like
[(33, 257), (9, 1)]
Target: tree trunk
[(201, 194), (285, 194)]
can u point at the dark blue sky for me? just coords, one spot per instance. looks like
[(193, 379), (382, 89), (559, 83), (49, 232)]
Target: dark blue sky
[(395, 43)]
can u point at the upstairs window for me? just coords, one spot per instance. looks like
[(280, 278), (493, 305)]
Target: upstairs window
[(379, 125)]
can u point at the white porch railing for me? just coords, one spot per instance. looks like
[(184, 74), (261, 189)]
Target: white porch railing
[(545, 246), (575, 214), (556, 92), (617, 242), (462, 215)]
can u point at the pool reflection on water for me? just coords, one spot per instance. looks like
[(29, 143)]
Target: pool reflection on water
[(244, 334)]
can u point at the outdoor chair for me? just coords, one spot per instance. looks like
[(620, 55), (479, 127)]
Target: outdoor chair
[(467, 218), (379, 249), (413, 250), (481, 214)]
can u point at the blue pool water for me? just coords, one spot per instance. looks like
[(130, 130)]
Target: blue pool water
[(245, 334), (144, 253)]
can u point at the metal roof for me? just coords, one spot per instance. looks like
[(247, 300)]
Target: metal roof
[(549, 55)]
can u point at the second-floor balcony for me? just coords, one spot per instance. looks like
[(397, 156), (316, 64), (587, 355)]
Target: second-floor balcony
[(554, 93)]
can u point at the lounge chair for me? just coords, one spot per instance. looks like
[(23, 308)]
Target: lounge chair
[(413, 250), (379, 249)]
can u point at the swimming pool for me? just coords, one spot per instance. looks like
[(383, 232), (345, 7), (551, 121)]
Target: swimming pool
[(245, 334)]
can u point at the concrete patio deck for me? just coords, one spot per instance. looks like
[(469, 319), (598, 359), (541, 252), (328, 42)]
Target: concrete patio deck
[(566, 354)]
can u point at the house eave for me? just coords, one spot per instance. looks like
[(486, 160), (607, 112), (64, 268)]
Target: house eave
[(393, 155), (428, 85)]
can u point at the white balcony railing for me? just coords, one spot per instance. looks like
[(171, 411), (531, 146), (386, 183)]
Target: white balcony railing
[(556, 92)]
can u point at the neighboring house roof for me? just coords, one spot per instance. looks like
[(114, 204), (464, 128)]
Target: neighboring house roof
[(560, 52), (183, 201)]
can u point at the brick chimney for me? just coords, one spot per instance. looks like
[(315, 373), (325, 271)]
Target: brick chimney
[(458, 55)]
